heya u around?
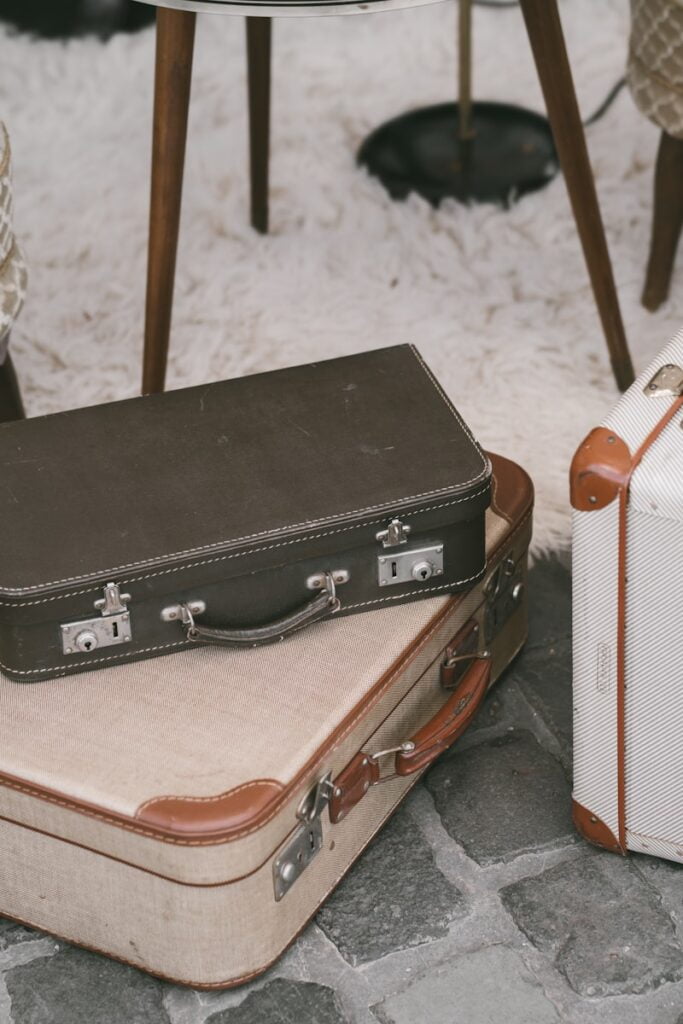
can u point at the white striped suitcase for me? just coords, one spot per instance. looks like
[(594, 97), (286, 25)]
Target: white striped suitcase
[(189, 814), (627, 495)]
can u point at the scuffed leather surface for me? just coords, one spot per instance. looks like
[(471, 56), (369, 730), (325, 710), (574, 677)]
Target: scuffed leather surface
[(233, 466)]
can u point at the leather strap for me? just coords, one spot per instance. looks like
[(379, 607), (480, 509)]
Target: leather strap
[(320, 607), (448, 724)]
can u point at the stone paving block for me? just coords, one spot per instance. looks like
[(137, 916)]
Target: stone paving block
[(494, 707), (76, 987), (502, 798), (667, 878), (284, 1002), (486, 987), (11, 934), (393, 898), (544, 675), (601, 923), (550, 594)]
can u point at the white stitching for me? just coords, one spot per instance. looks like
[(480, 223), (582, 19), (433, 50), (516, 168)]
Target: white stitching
[(454, 412), (65, 669), (218, 558), (186, 643), (131, 825), (211, 799), (308, 522), (422, 590)]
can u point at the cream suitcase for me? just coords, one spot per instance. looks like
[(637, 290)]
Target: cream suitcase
[(189, 814), (627, 493)]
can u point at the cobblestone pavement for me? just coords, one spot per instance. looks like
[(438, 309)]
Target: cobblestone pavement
[(477, 903)]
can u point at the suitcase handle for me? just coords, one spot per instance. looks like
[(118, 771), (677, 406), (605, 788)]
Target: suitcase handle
[(324, 604), (450, 722)]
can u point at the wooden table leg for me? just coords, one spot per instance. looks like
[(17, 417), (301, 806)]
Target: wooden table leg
[(547, 43), (667, 221), (259, 33), (175, 46), (11, 406)]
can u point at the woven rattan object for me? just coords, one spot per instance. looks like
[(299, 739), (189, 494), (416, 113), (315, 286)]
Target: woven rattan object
[(13, 274)]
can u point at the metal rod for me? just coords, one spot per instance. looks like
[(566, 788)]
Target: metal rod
[(465, 69)]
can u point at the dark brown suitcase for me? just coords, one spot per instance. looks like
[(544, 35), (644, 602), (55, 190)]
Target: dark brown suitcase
[(233, 513)]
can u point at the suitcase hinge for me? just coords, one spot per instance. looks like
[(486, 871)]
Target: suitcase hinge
[(306, 842), (668, 380), (112, 627)]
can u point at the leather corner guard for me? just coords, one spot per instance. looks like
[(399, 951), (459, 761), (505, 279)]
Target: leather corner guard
[(515, 486), (600, 469), (594, 830), (225, 813)]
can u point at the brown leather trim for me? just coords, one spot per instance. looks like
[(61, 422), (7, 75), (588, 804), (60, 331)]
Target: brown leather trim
[(600, 469), (131, 864), (512, 492), (243, 979), (227, 812), (594, 830), (200, 833), (673, 410), (352, 784)]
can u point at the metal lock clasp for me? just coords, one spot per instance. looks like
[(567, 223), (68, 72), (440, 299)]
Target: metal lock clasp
[(111, 628), (306, 841), (395, 534)]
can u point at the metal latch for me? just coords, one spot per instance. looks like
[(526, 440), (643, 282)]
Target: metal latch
[(417, 564), (668, 380), (396, 533), (112, 627), (306, 842), (505, 593)]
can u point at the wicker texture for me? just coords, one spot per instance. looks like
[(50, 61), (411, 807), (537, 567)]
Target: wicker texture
[(13, 275), (655, 65)]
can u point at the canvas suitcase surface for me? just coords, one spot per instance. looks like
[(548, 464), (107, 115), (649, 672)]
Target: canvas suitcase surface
[(189, 814), (233, 513), (627, 492)]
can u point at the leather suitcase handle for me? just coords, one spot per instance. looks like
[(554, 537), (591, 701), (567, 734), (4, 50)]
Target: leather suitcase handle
[(449, 723), (320, 607)]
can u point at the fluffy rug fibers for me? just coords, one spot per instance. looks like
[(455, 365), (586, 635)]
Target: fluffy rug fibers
[(498, 302)]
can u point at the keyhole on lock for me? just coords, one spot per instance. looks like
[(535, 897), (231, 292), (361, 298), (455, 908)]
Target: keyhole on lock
[(86, 641), (422, 571)]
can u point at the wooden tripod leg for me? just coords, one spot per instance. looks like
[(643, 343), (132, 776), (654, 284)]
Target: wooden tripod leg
[(259, 34), (547, 43), (667, 221), (11, 406), (175, 45)]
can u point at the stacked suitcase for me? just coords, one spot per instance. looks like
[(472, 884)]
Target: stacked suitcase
[(222, 795)]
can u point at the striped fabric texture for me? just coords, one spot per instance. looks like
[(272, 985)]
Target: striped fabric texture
[(654, 639)]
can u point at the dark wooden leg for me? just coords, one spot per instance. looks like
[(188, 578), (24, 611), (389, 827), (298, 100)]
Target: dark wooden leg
[(547, 43), (11, 406), (175, 45), (259, 32), (667, 221)]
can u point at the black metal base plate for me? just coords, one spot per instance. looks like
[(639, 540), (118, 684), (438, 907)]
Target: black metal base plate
[(511, 152)]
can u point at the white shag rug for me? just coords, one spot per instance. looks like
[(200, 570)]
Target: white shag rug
[(498, 302)]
